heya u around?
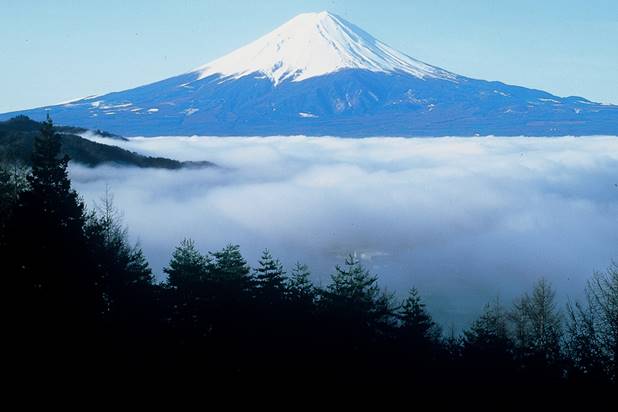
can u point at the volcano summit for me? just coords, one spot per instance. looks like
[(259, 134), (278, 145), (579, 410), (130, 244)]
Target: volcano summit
[(320, 75)]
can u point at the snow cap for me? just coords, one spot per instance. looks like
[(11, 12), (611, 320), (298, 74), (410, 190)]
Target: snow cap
[(315, 44)]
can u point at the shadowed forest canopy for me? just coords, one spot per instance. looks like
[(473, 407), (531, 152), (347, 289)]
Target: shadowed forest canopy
[(17, 137), (84, 299)]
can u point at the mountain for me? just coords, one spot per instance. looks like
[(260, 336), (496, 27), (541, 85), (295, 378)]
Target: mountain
[(17, 138), (321, 75)]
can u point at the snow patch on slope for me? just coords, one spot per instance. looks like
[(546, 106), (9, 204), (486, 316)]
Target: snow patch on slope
[(190, 111), (307, 115)]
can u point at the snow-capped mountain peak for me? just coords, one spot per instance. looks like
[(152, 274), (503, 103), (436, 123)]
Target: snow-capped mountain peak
[(320, 75), (315, 44)]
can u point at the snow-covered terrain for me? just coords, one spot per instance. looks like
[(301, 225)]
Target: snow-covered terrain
[(320, 75), (315, 44)]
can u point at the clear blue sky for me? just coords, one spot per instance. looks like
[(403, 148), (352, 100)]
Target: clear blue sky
[(51, 51)]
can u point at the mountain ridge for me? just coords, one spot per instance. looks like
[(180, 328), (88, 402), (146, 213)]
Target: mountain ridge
[(17, 137), (319, 75)]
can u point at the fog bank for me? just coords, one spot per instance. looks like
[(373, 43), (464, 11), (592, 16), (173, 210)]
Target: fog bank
[(463, 219)]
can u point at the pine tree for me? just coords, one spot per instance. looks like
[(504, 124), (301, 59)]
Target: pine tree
[(270, 278), (234, 323), (487, 348), (54, 285), (187, 289), (299, 285), (48, 224), (230, 269), (138, 269), (188, 267), (50, 187), (490, 330), (354, 293), (416, 326)]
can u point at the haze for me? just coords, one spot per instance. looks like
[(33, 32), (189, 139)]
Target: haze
[(463, 219)]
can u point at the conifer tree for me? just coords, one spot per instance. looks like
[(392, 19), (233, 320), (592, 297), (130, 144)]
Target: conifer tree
[(416, 326), (49, 184), (487, 348), (187, 280), (299, 285), (229, 268), (270, 278), (188, 267), (48, 244), (354, 293), (490, 330), (53, 281)]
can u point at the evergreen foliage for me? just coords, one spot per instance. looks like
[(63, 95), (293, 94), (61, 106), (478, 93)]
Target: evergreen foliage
[(354, 293), (84, 299), (270, 278), (17, 137), (299, 285), (188, 267), (416, 324)]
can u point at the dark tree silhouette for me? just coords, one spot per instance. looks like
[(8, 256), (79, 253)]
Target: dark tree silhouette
[(56, 293), (188, 266), (355, 291), (230, 268), (487, 347), (126, 283), (270, 278), (48, 225), (299, 285), (537, 327), (357, 316), (592, 339), (83, 299), (189, 290), (12, 184), (416, 323)]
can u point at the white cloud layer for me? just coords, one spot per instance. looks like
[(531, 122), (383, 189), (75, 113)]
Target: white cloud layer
[(463, 219)]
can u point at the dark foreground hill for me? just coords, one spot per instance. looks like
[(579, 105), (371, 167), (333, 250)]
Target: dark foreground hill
[(17, 138)]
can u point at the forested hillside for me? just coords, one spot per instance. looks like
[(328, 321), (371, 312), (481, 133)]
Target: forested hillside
[(83, 300), (17, 140)]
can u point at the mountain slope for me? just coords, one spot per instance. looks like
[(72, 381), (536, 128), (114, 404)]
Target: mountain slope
[(315, 44), (17, 138), (321, 75)]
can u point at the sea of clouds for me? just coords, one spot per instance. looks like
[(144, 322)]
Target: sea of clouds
[(463, 219)]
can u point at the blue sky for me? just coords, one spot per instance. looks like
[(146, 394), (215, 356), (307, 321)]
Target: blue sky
[(51, 51)]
